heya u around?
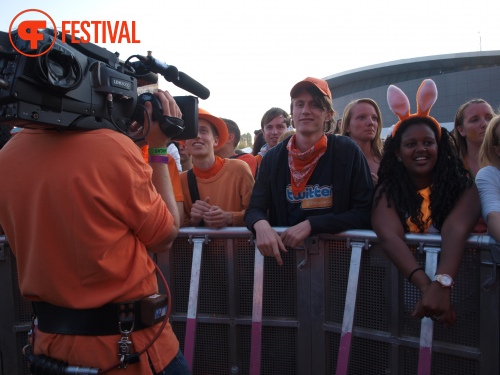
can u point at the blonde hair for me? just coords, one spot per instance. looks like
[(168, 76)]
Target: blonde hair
[(459, 122), (375, 143), (286, 135), (487, 153)]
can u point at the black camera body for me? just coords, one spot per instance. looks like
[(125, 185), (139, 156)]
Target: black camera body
[(73, 86), (176, 130)]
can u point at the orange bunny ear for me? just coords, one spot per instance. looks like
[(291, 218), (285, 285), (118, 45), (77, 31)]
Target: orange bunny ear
[(400, 105), (398, 102), (426, 97)]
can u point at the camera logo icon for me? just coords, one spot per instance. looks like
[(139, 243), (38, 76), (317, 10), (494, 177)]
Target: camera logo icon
[(28, 29)]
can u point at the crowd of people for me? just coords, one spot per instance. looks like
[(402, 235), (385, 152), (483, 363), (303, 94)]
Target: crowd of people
[(87, 207)]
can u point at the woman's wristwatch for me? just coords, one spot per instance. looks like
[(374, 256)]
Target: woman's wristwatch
[(445, 280)]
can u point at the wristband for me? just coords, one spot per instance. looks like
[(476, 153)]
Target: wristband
[(157, 151), (412, 272), (158, 159)]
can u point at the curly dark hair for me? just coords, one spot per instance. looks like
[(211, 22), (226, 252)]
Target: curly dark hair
[(449, 181)]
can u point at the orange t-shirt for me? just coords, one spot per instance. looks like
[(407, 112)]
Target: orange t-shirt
[(258, 159), (250, 160), (173, 172), (79, 209), (229, 188)]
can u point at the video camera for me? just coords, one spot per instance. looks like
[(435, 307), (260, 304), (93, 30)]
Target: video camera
[(84, 86)]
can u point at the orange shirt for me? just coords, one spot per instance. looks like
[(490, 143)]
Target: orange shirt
[(258, 159), (79, 209), (230, 189), (174, 174), (250, 160)]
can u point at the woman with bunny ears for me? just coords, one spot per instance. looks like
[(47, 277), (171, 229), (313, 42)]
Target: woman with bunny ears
[(424, 187)]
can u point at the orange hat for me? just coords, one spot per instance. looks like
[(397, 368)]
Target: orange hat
[(219, 124), (320, 84), (400, 105)]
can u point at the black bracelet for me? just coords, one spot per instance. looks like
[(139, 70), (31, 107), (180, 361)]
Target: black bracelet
[(412, 272)]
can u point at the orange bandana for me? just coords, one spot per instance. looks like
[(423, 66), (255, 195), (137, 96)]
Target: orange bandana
[(302, 164), (426, 212), (210, 172)]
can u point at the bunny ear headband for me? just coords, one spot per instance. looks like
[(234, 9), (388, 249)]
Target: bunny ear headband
[(400, 105)]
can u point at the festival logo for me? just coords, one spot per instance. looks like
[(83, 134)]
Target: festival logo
[(32, 23)]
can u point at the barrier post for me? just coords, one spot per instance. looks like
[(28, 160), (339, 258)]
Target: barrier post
[(194, 288), (427, 325), (350, 306), (258, 289)]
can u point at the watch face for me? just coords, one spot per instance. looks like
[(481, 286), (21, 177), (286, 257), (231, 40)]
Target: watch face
[(446, 280)]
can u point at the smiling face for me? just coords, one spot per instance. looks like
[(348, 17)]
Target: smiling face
[(205, 142), (476, 117), (418, 152), (308, 115), (363, 123), (273, 129)]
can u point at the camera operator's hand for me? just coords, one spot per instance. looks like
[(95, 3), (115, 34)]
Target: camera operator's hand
[(155, 137)]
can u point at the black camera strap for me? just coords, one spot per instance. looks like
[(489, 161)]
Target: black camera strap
[(193, 190)]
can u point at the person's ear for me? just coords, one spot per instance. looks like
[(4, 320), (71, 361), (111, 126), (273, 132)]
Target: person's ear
[(461, 130), (216, 140)]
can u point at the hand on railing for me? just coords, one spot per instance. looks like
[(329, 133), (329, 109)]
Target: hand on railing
[(435, 303), (268, 241)]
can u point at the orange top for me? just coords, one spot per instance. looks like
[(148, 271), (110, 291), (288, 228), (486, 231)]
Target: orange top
[(426, 212), (258, 159), (79, 209), (229, 188), (174, 174), (251, 161)]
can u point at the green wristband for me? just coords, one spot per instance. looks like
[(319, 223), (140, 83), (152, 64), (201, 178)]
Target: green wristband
[(157, 151)]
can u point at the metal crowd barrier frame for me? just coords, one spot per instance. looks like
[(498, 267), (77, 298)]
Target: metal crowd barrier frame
[(336, 306), (250, 337)]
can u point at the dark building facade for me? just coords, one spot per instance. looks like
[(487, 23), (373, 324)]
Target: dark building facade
[(459, 78)]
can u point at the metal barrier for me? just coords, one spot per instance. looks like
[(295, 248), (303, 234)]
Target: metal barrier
[(336, 306)]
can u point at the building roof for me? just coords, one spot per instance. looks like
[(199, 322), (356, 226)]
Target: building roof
[(392, 72)]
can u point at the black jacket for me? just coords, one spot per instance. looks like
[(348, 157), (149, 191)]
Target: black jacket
[(343, 168)]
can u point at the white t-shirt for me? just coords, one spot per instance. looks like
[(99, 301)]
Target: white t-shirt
[(174, 152), (488, 184)]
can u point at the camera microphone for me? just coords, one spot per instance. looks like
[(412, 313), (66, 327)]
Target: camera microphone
[(169, 72), (194, 87)]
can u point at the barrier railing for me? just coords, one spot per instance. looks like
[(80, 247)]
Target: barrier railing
[(251, 329), (338, 305)]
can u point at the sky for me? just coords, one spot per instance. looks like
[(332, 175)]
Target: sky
[(250, 54)]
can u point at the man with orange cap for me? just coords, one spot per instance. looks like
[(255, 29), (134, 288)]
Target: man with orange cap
[(310, 182), (216, 190)]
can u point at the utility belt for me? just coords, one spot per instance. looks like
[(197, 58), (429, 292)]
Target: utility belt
[(110, 319)]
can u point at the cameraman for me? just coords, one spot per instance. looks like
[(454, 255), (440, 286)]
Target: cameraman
[(81, 210)]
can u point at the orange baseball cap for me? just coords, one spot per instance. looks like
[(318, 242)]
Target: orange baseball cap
[(320, 84), (219, 124)]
